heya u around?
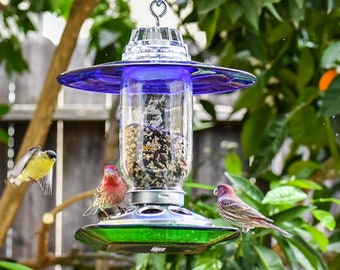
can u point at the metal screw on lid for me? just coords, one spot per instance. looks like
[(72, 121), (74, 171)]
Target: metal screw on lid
[(156, 43)]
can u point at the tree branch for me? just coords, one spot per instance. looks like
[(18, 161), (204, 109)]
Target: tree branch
[(43, 258), (39, 126), (3, 7)]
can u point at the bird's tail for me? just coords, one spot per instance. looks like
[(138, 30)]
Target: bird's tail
[(15, 180), (285, 233), (91, 210)]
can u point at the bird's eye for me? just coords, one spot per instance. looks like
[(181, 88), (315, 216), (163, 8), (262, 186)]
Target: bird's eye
[(111, 170)]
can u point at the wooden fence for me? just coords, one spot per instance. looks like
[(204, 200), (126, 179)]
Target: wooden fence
[(78, 133)]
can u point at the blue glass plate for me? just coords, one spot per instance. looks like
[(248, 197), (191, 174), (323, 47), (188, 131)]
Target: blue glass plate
[(206, 79)]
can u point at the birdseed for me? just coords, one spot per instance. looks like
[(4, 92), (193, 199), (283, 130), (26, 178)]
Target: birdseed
[(154, 157)]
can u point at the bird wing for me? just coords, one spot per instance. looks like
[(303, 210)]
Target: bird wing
[(93, 208), (46, 183), (21, 164), (243, 209)]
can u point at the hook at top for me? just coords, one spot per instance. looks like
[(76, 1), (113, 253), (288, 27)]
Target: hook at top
[(158, 3)]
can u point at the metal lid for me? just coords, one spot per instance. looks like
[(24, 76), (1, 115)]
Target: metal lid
[(156, 43)]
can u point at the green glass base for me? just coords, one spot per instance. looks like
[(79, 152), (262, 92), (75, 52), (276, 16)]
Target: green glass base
[(154, 238)]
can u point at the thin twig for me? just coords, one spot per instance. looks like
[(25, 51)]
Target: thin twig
[(43, 258)]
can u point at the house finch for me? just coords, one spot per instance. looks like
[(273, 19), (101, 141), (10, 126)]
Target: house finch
[(35, 166), (238, 213), (110, 192)]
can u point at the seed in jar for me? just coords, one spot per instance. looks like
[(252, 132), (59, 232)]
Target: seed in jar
[(155, 157)]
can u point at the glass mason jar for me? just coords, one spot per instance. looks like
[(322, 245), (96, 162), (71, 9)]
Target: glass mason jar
[(156, 126)]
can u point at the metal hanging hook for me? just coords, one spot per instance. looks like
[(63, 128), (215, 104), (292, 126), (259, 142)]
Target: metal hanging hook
[(158, 3)]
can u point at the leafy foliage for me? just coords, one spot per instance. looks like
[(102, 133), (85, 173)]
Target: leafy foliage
[(15, 22), (110, 31), (288, 45), (13, 266), (4, 108)]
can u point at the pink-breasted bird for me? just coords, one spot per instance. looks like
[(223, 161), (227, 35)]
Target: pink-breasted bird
[(238, 213), (109, 193)]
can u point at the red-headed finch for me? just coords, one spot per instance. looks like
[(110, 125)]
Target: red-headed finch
[(238, 213), (34, 167), (110, 192)]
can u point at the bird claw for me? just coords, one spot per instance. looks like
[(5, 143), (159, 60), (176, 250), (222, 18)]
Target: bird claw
[(121, 210), (244, 230)]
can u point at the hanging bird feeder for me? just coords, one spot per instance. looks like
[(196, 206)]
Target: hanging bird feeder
[(156, 80)]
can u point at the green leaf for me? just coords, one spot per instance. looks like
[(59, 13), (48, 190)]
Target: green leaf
[(281, 32), (331, 56), (308, 257), (198, 185), (333, 200), (253, 129), (284, 195), (246, 186), (300, 3), (252, 13), (273, 11), (300, 183), (12, 46), (203, 7), (305, 68), (306, 128), (301, 258), (13, 266), (270, 144), (3, 136), (234, 10), (334, 242), (268, 258), (288, 76), (325, 218), (233, 163), (291, 213), (303, 168), (208, 24), (250, 256), (156, 261), (308, 95), (208, 107), (331, 99), (289, 254), (257, 45), (227, 55), (4, 108), (297, 12), (253, 95), (200, 125), (212, 263), (61, 7), (317, 236)]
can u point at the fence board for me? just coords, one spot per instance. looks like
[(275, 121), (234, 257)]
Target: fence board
[(4, 85), (83, 168), (38, 52), (81, 58), (210, 151)]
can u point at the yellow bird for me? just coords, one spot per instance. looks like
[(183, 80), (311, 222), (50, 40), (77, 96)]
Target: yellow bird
[(35, 166)]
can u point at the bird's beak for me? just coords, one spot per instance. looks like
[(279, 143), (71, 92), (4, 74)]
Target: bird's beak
[(215, 192)]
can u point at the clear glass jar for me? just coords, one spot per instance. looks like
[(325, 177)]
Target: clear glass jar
[(156, 126)]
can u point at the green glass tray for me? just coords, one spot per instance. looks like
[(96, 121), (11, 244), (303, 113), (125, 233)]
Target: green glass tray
[(154, 238)]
